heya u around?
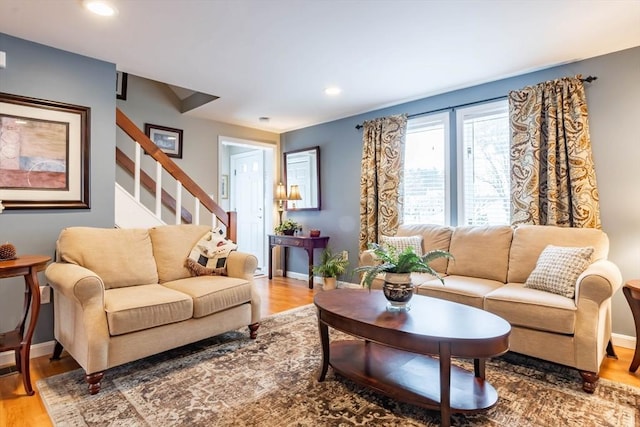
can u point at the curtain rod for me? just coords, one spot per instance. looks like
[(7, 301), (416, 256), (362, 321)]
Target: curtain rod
[(588, 79)]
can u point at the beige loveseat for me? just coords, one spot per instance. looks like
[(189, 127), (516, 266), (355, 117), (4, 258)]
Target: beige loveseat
[(491, 265), (124, 294)]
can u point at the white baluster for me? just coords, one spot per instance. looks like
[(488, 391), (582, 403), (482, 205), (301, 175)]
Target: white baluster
[(136, 173), (178, 202), (196, 212), (158, 190)]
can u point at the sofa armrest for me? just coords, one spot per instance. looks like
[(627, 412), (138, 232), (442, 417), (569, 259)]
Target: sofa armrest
[(598, 282), (367, 257), (76, 283), (242, 265)]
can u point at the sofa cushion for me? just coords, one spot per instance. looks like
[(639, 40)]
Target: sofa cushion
[(460, 289), (213, 294), (171, 247), (433, 237), (403, 242), (530, 240), (142, 307), (532, 308), (480, 251), (558, 268), (121, 257)]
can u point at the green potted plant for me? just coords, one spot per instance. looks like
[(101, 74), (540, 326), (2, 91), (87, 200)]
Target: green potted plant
[(397, 267), (330, 267), (288, 227)]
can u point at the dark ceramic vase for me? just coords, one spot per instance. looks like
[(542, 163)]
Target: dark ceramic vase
[(398, 290)]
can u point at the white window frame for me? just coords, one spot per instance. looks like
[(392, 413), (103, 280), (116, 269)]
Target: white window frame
[(461, 114), (417, 123)]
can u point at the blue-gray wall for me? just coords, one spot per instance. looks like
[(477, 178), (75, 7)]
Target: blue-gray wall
[(38, 71), (614, 108)]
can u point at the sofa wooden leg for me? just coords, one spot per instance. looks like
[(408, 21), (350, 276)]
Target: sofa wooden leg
[(253, 328), (611, 352), (589, 381), (94, 381), (57, 351)]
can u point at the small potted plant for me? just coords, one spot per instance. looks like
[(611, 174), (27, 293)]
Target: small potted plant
[(288, 227), (397, 267), (330, 267)]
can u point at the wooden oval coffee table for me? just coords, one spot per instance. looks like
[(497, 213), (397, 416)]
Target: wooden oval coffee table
[(392, 356)]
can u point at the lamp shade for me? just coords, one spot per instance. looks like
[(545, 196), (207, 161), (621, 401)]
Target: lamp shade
[(294, 193), (281, 192)]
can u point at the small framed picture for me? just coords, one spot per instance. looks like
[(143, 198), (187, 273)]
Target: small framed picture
[(121, 85), (169, 140), (224, 187)]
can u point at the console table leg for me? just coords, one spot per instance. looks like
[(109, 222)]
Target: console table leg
[(310, 272), (324, 341), (445, 384)]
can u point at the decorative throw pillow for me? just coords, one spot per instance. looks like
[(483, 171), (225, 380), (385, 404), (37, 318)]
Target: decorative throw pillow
[(558, 268), (209, 255), (401, 243)]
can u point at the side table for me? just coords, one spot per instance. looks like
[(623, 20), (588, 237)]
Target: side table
[(304, 242), (631, 291), (19, 340)]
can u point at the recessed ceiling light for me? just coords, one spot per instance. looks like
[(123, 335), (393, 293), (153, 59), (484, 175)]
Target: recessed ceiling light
[(100, 7), (264, 119), (333, 91)]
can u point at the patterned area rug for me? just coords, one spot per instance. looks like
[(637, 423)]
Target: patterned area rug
[(231, 380)]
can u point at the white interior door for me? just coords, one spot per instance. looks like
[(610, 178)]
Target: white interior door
[(247, 199)]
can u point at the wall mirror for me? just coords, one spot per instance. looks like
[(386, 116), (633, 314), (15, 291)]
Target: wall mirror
[(302, 168)]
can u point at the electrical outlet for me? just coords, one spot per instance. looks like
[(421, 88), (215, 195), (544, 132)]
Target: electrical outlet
[(45, 294), (345, 255)]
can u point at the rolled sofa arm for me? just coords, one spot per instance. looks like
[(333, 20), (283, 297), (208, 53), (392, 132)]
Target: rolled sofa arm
[(598, 282), (368, 258), (76, 283), (242, 265)]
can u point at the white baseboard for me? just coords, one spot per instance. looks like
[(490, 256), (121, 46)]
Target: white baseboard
[(625, 341), (46, 348), (37, 350)]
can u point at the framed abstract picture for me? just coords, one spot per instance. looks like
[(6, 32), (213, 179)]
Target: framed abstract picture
[(44, 153)]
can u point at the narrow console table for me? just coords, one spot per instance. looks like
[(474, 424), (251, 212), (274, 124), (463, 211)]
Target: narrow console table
[(631, 291), (305, 242), (18, 340)]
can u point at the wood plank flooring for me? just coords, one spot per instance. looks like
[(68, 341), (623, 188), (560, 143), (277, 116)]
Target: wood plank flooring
[(279, 294)]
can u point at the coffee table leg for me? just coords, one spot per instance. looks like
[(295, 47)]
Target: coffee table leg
[(479, 368), (445, 384), (324, 341)]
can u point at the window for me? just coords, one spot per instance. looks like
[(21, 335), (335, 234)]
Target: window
[(481, 167), (483, 164), (426, 198)]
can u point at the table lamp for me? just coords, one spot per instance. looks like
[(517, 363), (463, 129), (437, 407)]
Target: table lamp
[(281, 196)]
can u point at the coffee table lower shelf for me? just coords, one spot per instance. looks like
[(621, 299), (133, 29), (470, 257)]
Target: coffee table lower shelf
[(409, 377)]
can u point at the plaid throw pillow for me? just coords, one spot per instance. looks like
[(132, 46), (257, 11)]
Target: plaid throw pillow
[(558, 268), (209, 255), (401, 243)]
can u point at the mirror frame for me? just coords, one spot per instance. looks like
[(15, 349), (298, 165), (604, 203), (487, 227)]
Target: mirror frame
[(284, 164)]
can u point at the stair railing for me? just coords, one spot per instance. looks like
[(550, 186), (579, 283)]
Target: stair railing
[(201, 198)]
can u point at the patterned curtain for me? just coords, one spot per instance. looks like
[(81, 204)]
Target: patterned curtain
[(553, 179), (381, 177)]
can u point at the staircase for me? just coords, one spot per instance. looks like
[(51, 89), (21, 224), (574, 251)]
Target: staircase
[(130, 212)]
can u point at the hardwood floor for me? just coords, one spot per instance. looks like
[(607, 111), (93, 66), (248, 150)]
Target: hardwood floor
[(279, 294)]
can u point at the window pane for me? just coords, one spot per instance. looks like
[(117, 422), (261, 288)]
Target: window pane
[(425, 198), (484, 164)]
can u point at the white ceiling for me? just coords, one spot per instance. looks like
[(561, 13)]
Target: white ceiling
[(274, 58)]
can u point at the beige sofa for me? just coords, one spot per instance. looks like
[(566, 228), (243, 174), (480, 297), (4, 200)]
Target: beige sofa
[(124, 294), (491, 265)]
